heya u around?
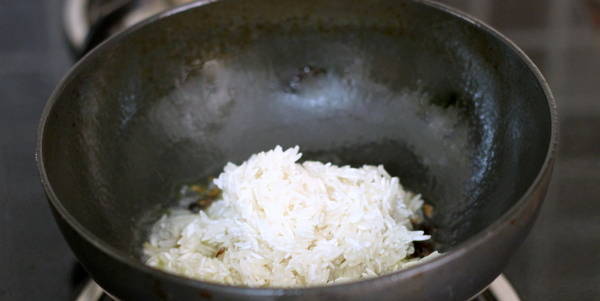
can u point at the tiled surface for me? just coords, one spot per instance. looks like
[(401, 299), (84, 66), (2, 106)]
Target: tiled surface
[(35, 263), (560, 260), (499, 13), (21, 22)]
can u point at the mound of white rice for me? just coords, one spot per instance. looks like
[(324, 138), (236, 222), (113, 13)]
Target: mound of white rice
[(285, 224)]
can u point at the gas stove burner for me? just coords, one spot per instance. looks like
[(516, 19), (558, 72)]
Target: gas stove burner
[(499, 290), (88, 22), (93, 292)]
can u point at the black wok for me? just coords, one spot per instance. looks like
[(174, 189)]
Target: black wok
[(450, 106)]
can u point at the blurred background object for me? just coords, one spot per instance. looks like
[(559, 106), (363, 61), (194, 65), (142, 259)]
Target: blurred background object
[(41, 39), (594, 6), (89, 22)]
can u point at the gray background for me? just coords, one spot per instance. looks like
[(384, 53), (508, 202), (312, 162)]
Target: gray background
[(559, 261)]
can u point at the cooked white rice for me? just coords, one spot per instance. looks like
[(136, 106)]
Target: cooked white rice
[(285, 224)]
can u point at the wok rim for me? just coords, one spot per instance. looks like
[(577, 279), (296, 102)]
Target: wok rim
[(453, 254)]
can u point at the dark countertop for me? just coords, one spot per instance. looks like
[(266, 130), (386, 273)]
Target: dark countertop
[(560, 260)]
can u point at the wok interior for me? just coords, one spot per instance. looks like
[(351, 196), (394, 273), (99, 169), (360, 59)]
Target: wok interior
[(453, 112)]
